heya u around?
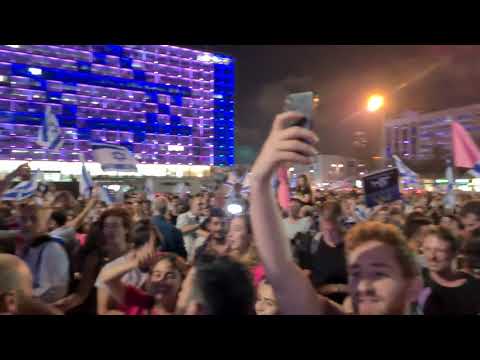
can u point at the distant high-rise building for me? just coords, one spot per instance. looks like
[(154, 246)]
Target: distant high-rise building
[(418, 136)]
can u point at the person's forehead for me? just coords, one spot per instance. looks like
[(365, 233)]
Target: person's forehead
[(373, 252), (433, 240), (163, 265)]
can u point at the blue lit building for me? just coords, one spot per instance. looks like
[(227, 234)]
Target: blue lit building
[(169, 105)]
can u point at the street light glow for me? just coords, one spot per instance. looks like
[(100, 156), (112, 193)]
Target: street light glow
[(375, 103)]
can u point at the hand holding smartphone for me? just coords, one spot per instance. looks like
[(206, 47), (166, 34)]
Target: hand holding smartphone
[(303, 103)]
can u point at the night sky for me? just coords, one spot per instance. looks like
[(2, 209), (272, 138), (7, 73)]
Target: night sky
[(413, 77)]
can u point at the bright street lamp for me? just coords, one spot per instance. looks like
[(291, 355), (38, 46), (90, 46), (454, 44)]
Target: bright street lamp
[(375, 103)]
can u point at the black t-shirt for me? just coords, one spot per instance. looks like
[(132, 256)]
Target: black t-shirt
[(461, 300), (328, 266)]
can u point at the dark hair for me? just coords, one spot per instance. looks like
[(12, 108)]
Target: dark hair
[(225, 285), (306, 189), (414, 222), (117, 212), (60, 217), (140, 233), (471, 248), (93, 242), (214, 213), (332, 210), (471, 207), (456, 219)]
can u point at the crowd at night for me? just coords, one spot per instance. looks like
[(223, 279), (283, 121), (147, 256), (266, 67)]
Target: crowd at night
[(277, 236)]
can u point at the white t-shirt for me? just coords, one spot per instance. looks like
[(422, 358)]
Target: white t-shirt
[(190, 239), (134, 277), (49, 265), (301, 226)]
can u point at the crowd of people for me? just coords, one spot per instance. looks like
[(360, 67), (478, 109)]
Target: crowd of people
[(324, 252)]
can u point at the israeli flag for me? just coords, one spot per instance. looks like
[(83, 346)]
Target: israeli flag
[(449, 200), (105, 196), (149, 189), (114, 157), (49, 135), (408, 175), (86, 183), (23, 190), (233, 179)]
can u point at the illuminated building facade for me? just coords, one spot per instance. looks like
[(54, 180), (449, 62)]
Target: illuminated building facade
[(169, 105), (418, 136)]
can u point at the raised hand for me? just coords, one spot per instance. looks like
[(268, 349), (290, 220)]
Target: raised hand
[(284, 145), (23, 172)]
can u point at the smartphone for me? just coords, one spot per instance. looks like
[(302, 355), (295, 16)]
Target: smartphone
[(303, 103)]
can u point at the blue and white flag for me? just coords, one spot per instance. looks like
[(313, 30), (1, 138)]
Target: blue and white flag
[(49, 134), (149, 189), (449, 199), (233, 179), (408, 175), (105, 196), (86, 183), (23, 190), (114, 157)]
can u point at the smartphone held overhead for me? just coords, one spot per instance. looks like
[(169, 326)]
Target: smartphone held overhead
[(303, 103)]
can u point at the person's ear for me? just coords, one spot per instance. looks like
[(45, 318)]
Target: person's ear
[(8, 303)]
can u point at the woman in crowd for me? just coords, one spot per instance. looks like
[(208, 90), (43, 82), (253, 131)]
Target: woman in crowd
[(266, 303), (115, 225), (240, 241), (304, 190), (166, 272)]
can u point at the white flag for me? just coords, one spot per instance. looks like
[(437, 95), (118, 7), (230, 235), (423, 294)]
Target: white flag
[(86, 183), (105, 196), (149, 189), (114, 157), (49, 134), (449, 200), (23, 190), (408, 175)]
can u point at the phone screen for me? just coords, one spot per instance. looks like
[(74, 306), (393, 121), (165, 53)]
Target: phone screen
[(302, 103)]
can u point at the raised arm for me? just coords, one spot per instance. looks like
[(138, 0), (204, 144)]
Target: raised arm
[(293, 289), (23, 171), (112, 276), (75, 223)]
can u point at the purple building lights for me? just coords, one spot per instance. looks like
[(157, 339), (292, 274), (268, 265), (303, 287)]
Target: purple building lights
[(144, 96)]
